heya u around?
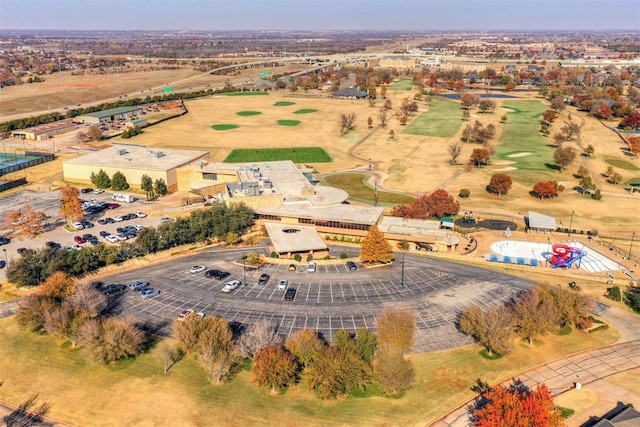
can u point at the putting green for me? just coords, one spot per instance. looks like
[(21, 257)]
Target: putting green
[(305, 111), (622, 164), (283, 103), (248, 113), (295, 154), (289, 122), (224, 126)]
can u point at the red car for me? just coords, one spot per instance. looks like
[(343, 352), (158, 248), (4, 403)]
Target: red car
[(113, 205), (79, 240)]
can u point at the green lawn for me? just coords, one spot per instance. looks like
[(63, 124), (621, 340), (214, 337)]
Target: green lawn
[(289, 122), (283, 103), (402, 85), (443, 119), (521, 136), (621, 164), (305, 111), (223, 126), (244, 93), (354, 184), (248, 113), (83, 393), (296, 155)]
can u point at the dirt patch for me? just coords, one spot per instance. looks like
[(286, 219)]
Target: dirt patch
[(519, 154)]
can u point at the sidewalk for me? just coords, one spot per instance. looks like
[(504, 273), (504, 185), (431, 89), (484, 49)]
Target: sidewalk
[(588, 367)]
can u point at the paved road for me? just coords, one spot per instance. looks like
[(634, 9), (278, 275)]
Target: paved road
[(586, 367)]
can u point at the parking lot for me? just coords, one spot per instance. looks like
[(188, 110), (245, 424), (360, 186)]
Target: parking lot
[(327, 300)]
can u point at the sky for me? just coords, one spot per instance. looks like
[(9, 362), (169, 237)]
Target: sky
[(222, 15)]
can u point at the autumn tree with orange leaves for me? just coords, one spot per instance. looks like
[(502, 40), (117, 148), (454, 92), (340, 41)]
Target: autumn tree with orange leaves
[(375, 247), (517, 405), (439, 203), (28, 221), (70, 205)]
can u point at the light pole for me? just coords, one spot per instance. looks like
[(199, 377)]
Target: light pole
[(244, 271), (6, 260), (546, 258), (633, 234), (402, 272), (571, 223)]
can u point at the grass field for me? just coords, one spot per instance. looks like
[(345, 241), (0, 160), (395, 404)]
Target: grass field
[(248, 113), (521, 136), (355, 185), (288, 122), (621, 164), (442, 120), (224, 126), (283, 103), (296, 155), (305, 111), (405, 85), (245, 93), (80, 392)]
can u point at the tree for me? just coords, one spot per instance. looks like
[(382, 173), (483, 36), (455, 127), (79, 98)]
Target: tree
[(370, 122), (392, 134), (557, 103), (216, 350), (492, 328), (504, 118), (305, 345), (392, 371), (169, 355), (383, 91), (29, 221), (582, 172), (564, 156), (632, 121), (375, 248), (160, 187), (347, 122), (549, 116), (601, 110), (589, 150), (275, 367), (383, 117), (94, 133), (101, 179), (146, 184), (569, 305), (510, 86), (70, 205), (468, 100), (480, 157), (261, 335), (336, 371), (500, 183), (366, 344), (396, 326), (486, 105), (111, 339), (545, 189), (454, 151), (533, 316), (119, 182), (438, 204), (559, 138), (516, 405), (402, 119), (570, 129), (188, 330)]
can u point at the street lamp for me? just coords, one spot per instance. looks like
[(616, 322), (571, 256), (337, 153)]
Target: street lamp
[(402, 272), (244, 270), (571, 223), (546, 258), (6, 260)]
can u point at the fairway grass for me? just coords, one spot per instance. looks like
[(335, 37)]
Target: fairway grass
[(296, 155), (305, 111), (621, 164), (224, 126), (80, 392), (443, 119), (248, 113), (521, 136), (404, 85), (283, 103), (355, 185), (289, 122)]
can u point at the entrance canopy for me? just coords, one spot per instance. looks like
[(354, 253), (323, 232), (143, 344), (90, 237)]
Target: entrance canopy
[(538, 221)]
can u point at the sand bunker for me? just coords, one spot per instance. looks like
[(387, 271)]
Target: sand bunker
[(509, 168), (518, 154)]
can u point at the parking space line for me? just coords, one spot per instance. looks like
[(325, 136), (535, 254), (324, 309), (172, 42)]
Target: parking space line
[(354, 291), (308, 292), (292, 325), (319, 292), (331, 291)]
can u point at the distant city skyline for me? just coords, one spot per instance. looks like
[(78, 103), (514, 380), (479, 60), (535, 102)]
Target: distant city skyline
[(382, 15)]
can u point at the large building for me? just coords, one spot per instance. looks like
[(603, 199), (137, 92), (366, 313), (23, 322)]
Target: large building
[(113, 115), (44, 132), (133, 161)]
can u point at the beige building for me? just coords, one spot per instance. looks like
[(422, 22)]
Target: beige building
[(403, 62), (134, 161), (44, 132)]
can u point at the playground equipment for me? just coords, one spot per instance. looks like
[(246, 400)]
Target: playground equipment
[(564, 256)]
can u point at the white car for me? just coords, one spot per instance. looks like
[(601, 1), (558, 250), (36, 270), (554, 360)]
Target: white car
[(118, 218), (140, 214), (121, 236), (77, 225), (231, 286), (166, 219), (282, 284), (98, 191), (197, 269), (138, 227), (112, 239)]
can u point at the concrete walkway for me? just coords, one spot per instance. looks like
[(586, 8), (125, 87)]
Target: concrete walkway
[(587, 367)]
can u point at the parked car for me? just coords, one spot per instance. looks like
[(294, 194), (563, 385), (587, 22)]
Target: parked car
[(211, 273), (166, 219), (98, 191), (292, 267), (77, 225), (104, 233), (217, 274), (118, 218), (4, 240), (290, 294), (189, 311), (52, 245), (113, 205), (140, 214), (121, 236), (78, 239), (22, 251), (86, 190), (87, 224), (94, 240), (282, 284), (264, 278), (231, 286), (149, 293), (351, 266), (197, 269), (113, 288), (3, 264), (112, 239), (311, 267), (102, 221), (138, 285), (87, 236), (110, 220)]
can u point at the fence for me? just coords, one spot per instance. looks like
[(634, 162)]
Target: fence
[(511, 260), (8, 185), (30, 158)]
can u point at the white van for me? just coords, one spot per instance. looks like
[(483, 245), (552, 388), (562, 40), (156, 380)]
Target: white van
[(311, 267)]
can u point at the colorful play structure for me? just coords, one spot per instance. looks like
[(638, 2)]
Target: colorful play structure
[(564, 256)]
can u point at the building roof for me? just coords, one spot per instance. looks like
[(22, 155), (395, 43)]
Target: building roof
[(343, 213), (629, 417), (538, 220), (287, 238), (112, 112), (47, 127), (139, 157), (411, 227), (350, 92)]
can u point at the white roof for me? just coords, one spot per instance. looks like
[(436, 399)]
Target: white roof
[(538, 220), (294, 238)]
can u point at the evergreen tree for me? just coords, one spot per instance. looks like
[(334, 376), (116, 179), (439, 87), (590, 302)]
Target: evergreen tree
[(101, 179), (119, 182), (146, 183), (160, 187)]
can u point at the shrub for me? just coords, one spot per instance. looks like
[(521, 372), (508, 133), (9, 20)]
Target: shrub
[(297, 257), (274, 254), (310, 257), (343, 255), (464, 193), (404, 245)]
